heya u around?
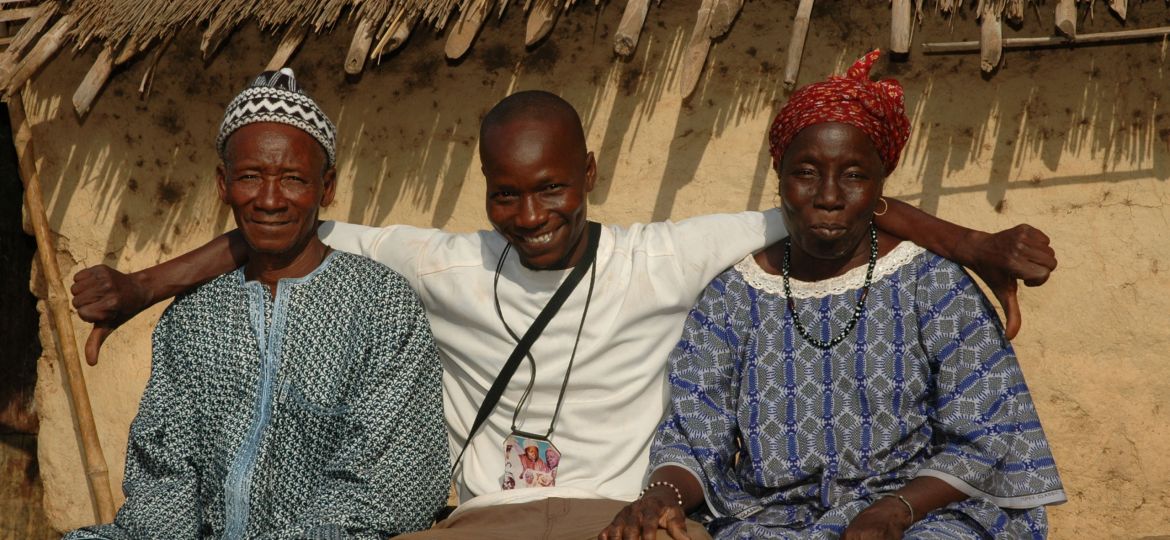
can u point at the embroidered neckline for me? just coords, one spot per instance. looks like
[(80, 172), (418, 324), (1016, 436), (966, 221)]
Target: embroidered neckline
[(854, 279)]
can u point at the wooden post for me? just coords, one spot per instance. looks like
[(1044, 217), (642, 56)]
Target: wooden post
[(900, 27), (466, 28), (1066, 17), (293, 37), (541, 19), (990, 39), (93, 82), (695, 55), (60, 314), (626, 38), (796, 42), (359, 48)]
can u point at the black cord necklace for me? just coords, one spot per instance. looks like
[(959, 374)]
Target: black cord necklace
[(826, 345), (531, 361)]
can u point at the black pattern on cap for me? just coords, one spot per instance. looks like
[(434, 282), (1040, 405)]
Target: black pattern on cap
[(275, 96)]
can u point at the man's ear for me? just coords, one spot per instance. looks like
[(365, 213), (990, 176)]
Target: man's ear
[(221, 182), (590, 172), (329, 182)]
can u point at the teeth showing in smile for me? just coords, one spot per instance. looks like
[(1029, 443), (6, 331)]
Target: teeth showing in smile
[(539, 240)]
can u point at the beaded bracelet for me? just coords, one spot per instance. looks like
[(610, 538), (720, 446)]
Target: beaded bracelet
[(652, 485), (904, 501)]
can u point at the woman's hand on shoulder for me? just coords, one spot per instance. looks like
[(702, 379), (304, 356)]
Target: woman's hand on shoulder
[(886, 519), (641, 519)]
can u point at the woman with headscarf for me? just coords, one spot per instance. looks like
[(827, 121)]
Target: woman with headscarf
[(840, 383)]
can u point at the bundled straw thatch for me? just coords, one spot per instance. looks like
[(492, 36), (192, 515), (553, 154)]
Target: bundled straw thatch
[(127, 29)]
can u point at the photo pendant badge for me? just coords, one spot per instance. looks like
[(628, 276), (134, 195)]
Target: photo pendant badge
[(529, 461)]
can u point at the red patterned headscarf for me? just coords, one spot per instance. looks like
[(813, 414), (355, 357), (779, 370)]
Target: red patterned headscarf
[(875, 107)]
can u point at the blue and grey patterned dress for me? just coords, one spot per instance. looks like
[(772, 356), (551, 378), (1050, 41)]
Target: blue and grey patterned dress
[(314, 414), (925, 385)]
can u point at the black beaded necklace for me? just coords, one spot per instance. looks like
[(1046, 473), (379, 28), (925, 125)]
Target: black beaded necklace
[(826, 345)]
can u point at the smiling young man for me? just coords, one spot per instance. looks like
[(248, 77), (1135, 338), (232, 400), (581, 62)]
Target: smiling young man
[(593, 387), (298, 396)]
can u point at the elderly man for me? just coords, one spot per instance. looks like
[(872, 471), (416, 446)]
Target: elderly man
[(593, 386), (298, 396)]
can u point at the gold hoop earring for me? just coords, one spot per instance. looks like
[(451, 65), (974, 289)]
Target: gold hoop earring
[(885, 207)]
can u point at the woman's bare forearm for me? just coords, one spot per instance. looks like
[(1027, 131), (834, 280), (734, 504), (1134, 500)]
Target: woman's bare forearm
[(940, 236)]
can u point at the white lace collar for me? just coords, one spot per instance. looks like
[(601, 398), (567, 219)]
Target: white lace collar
[(854, 279)]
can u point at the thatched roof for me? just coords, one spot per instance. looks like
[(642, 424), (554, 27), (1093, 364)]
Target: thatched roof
[(130, 30)]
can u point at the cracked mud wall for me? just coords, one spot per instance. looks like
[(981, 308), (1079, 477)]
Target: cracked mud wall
[(1074, 142)]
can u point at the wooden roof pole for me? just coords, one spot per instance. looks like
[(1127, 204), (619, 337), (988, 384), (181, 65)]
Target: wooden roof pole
[(45, 48), (1066, 17), (695, 55), (359, 48), (216, 33), (60, 314), (541, 20), (990, 38), (1049, 41), (1119, 7), (715, 18), (900, 27), (395, 36), (633, 18), (28, 33), (466, 28), (723, 13), (148, 73), (796, 42), (293, 37), (93, 82)]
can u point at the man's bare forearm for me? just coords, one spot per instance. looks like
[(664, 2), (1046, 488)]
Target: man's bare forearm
[(940, 236), (189, 270)]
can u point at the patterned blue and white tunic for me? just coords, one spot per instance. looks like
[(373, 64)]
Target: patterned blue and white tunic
[(314, 414), (789, 441)]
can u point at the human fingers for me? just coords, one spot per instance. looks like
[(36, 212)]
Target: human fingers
[(625, 526), (1011, 309), (88, 285), (676, 526), (1039, 266), (97, 310), (1031, 271), (93, 345), (650, 515)]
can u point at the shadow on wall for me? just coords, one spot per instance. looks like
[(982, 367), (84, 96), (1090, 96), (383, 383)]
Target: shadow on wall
[(409, 127)]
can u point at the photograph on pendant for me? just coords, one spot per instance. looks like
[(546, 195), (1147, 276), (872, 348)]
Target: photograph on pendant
[(529, 462)]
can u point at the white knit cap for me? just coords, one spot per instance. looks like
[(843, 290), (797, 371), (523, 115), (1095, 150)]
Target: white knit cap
[(275, 97)]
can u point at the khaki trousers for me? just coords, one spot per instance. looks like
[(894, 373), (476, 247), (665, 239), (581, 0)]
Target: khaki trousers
[(548, 519)]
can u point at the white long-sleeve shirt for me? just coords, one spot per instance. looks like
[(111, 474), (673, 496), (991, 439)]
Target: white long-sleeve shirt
[(648, 277)]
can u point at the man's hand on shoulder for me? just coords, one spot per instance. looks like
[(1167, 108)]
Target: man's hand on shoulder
[(1000, 259), (107, 298)]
